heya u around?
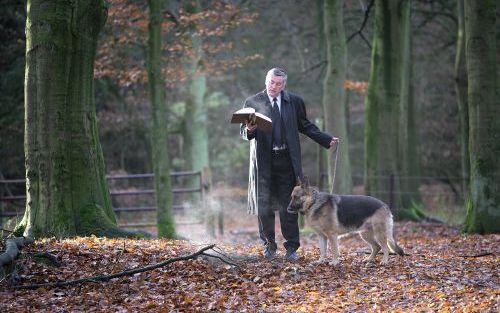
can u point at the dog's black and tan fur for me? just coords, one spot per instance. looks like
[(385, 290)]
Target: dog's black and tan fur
[(333, 215)]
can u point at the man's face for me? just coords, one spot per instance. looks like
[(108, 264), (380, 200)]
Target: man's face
[(274, 85)]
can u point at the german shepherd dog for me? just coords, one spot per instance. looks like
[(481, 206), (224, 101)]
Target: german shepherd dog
[(333, 215)]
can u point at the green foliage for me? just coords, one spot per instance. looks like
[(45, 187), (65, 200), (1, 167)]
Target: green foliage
[(217, 99)]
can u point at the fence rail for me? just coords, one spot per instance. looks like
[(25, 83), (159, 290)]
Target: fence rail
[(10, 200)]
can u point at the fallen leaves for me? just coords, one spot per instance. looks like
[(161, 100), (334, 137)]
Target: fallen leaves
[(434, 276)]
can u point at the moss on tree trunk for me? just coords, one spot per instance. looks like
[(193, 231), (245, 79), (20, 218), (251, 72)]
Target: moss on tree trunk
[(334, 95), (67, 193), (390, 135), (483, 214), (195, 132), (461, 94), (161, 160)]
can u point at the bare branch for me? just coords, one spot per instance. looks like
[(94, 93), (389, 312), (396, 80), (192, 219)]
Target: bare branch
[(359, 32), (105, 278), (486, 253)]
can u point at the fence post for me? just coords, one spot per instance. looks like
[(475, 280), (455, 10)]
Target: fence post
[(207, 204)]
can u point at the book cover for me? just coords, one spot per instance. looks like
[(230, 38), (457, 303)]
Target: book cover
[(242, 115)]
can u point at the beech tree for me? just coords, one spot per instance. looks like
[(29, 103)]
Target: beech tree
[(483, 215), (159, 132), (195, 118), (390, 136), (334, 94), (67, 193), (461, 94)]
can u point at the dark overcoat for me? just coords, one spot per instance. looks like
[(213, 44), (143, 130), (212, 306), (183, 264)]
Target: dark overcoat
[(293, 113)]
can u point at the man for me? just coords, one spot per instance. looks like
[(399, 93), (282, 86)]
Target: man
[(275, 160)]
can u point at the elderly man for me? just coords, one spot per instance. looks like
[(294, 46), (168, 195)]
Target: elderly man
[(275, 160)]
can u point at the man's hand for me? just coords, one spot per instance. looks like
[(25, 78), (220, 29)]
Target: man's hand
[(251, 124), (334, 141)]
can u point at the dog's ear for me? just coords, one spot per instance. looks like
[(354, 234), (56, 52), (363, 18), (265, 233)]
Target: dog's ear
[(298, 182), (305, 182)]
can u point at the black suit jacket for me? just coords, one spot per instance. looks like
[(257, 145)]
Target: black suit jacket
[(293, 113)]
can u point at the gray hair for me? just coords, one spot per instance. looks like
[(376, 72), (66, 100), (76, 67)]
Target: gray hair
[(276, 71)]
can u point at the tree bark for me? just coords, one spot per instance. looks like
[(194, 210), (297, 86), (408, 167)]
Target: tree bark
[(12, 247), (159, 138), (483, 214), (334, 97), (408, 165), (390, 134), (322, 160), (67, 193), (461, 93), (195, 121)]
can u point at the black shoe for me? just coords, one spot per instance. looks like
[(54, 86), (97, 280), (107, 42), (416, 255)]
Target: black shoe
[(269, 253), (292, 256)]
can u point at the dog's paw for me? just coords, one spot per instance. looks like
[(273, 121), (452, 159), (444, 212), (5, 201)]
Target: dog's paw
[(320, 261), (334, 262), (369, 260)]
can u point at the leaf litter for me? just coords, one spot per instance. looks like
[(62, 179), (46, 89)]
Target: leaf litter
[(443, 271)]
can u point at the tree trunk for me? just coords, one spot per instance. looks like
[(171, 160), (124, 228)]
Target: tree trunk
[(334, 98), (195, 121), (408, 166), (67, 193), (196, 137), (159, 138), (483, 214), (461, 91), (322, 160), (390, 135)]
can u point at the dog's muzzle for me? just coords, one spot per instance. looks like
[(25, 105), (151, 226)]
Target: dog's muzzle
[(294, 209)]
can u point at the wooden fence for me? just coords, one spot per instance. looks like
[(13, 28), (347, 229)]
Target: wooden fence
[(12, 201)]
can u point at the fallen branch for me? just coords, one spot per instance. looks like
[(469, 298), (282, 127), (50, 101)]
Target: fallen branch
[(106, 278), (477, 255), (12, 247), (48, 256)]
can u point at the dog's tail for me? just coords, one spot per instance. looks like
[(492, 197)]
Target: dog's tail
[(391, 242)]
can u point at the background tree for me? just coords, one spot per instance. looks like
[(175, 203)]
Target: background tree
[(388, 106), (159, 137), (67, 193), (461, 93), (195, 124), (483, 213), (124, 111), (12, 63), (334, 94)]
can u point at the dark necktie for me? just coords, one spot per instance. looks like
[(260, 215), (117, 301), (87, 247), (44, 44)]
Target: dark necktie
[(276, 117)]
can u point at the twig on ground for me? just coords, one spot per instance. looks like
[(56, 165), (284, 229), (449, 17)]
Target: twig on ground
[(227, 261), (52, 258), (486, 253), (105, 278)]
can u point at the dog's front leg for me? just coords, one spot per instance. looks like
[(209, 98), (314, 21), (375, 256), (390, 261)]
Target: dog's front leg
[(322, 247), (334, 246)]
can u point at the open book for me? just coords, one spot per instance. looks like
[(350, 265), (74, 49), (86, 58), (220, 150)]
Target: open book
[(263, 122)]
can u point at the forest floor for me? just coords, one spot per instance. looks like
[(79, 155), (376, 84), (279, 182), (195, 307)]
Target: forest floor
[(443, 271)]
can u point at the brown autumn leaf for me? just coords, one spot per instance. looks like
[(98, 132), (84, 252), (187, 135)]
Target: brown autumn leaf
[(434, 276)]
